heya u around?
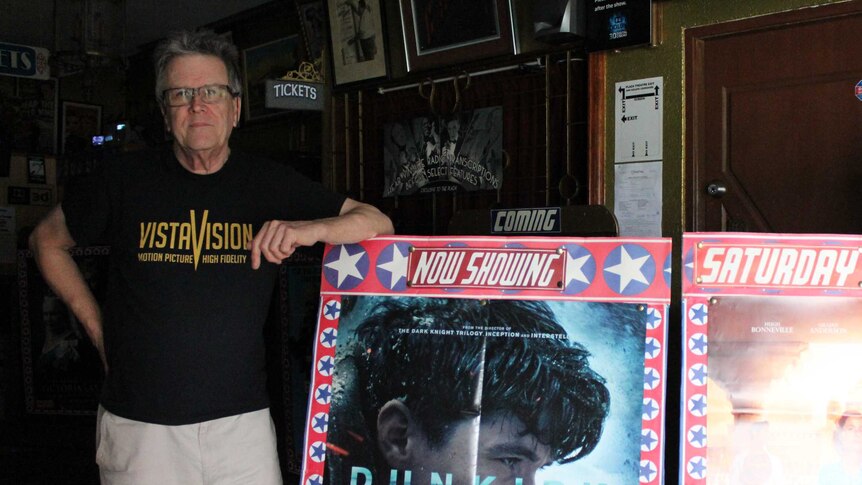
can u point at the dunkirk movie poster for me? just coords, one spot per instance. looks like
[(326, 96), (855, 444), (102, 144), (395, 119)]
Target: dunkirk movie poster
[(489, 360), (773, 387), (444, 153)]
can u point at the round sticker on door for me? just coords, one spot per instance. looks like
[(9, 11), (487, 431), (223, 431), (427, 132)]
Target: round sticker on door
[(859, 90)]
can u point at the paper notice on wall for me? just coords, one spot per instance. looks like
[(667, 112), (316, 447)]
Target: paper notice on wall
[(638, 112), (637, 198), (7, 235), (7, 220)]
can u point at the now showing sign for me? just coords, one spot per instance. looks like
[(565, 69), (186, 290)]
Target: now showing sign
[(24, 61)]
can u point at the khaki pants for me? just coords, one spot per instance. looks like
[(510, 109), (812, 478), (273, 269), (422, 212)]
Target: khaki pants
[(237, 449)]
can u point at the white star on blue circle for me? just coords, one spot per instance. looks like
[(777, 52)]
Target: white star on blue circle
[(317, 451), (391, 266), (697, 344), (696, 436), (667, 271), (651, 378), (653, 320), (698, 313), (697, 467), (320, 422), (580, 269), (325, 366), (314, 480), (697, 405), (346, 266), (649, 440), (688, 265), (328, 337), (651, 348), (650, 409), (629, 269), (323, 394), (332, 310), (648, 470), (697, 374)]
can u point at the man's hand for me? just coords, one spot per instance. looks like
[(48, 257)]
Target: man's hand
[(355, 222), (277, 240)]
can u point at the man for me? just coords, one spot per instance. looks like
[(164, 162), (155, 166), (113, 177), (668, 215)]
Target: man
[(60, 349), (366, 36), (196, 235), (451, 390), (450, 142)]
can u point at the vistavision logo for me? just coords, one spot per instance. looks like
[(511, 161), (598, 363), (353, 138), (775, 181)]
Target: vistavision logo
[(194, 242)]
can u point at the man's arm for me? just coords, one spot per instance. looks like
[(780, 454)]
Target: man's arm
[(50, 243), (356, 222)]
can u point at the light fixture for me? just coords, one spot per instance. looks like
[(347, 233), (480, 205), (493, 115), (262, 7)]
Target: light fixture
[(88, 34)]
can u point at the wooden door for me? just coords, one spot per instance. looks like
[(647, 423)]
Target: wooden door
[(773, 123)]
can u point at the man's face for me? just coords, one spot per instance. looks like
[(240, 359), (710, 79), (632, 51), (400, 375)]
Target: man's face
[(53, 317), (453, 127), (493, 446), (200, 126), (850, 435)]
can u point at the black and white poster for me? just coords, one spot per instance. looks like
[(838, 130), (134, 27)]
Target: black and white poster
[(443, 154)]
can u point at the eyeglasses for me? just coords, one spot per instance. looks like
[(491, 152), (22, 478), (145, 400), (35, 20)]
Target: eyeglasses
[(209, 94)]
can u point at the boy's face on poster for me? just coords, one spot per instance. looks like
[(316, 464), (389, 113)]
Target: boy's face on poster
[(850, 435), (490, 446), (506, 452)]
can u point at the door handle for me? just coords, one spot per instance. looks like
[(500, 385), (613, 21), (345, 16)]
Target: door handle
[(716, 189)]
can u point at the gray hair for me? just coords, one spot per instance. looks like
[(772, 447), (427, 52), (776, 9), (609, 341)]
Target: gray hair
[(203, 42)]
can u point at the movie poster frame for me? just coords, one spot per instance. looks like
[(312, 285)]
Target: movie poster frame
[(33, 288), (419, 59), (94, 115), (380, 267), (344, 75), (294, 351), (313, 33), (20, 98), (260, 60), (712, 280)]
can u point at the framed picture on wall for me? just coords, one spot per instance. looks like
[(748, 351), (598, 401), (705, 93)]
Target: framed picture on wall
[(312, 17), (267, 61), (31, 109), (62, 369), (36, 173), (443, 32), (357, 40), (81, 122)]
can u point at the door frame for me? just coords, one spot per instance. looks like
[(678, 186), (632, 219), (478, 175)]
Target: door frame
[(696, 39)]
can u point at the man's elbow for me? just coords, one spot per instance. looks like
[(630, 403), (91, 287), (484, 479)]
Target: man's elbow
[(50, 233), (386, 226), (36, 239)]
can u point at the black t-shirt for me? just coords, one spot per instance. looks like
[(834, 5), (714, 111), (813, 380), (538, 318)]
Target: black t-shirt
[(183, 322)]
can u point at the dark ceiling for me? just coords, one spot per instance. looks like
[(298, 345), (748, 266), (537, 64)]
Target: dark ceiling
[(31, 22)]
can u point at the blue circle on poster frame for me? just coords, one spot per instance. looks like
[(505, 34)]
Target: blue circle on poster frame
[(858, 90)]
